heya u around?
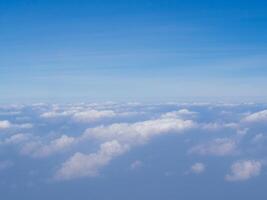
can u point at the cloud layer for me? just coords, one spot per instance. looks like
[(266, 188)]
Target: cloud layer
[(81, 139)]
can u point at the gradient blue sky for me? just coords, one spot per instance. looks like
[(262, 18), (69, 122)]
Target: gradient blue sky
[(132, 50)]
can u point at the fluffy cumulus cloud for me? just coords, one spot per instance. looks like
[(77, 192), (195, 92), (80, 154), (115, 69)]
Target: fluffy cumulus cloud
[(182, 113), (139, 132), (216, 126), (16, 139), (83, 165), (198, 168), (56, 145), (55, 114), (34, 147), (93, 115), (244, 170), (260, 116), (83, 115), (5, 124), (117, 138), (217, 147), (81, 148)]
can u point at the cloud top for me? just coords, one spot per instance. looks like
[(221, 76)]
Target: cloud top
[(244, 170)]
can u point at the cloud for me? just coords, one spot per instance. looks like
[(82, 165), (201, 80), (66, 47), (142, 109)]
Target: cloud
[(212, 126), (260, 116), (244, 170), (30, 147), (117, 139), (82, 115), (179, 114), (36, 148), (5, 124), (119, 129), (56, 145), (93, 115), (126, 133), (16, 139), (258, 138), (138, 132), (198, 168), (217, 147), (10, 113), (83, 165), (23, 126), (55, 114), (215, 126)]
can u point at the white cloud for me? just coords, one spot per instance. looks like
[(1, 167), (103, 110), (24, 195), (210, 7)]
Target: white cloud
[(5, 124), (198, 168), (79, 114), (244, 170), (16, 139), (30, 147), (36, 148), (260, 116), (93, 115), (179, 114), (139, 132), (82, 165), (242, 131), (215, 126), (125, 133), (217, 147), (117, 139), (122, 136), (56, 145), (55, 114)]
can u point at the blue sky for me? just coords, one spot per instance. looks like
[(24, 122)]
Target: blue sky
[(132, 50), (133, 99)]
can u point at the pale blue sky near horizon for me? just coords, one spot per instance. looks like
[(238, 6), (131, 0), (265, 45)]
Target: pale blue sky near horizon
[(132, 50)]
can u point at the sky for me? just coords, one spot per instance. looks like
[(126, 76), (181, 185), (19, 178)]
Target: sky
[(136, 99), (60, 50)]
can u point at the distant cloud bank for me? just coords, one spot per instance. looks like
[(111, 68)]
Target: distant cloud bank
[(82, 139)]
